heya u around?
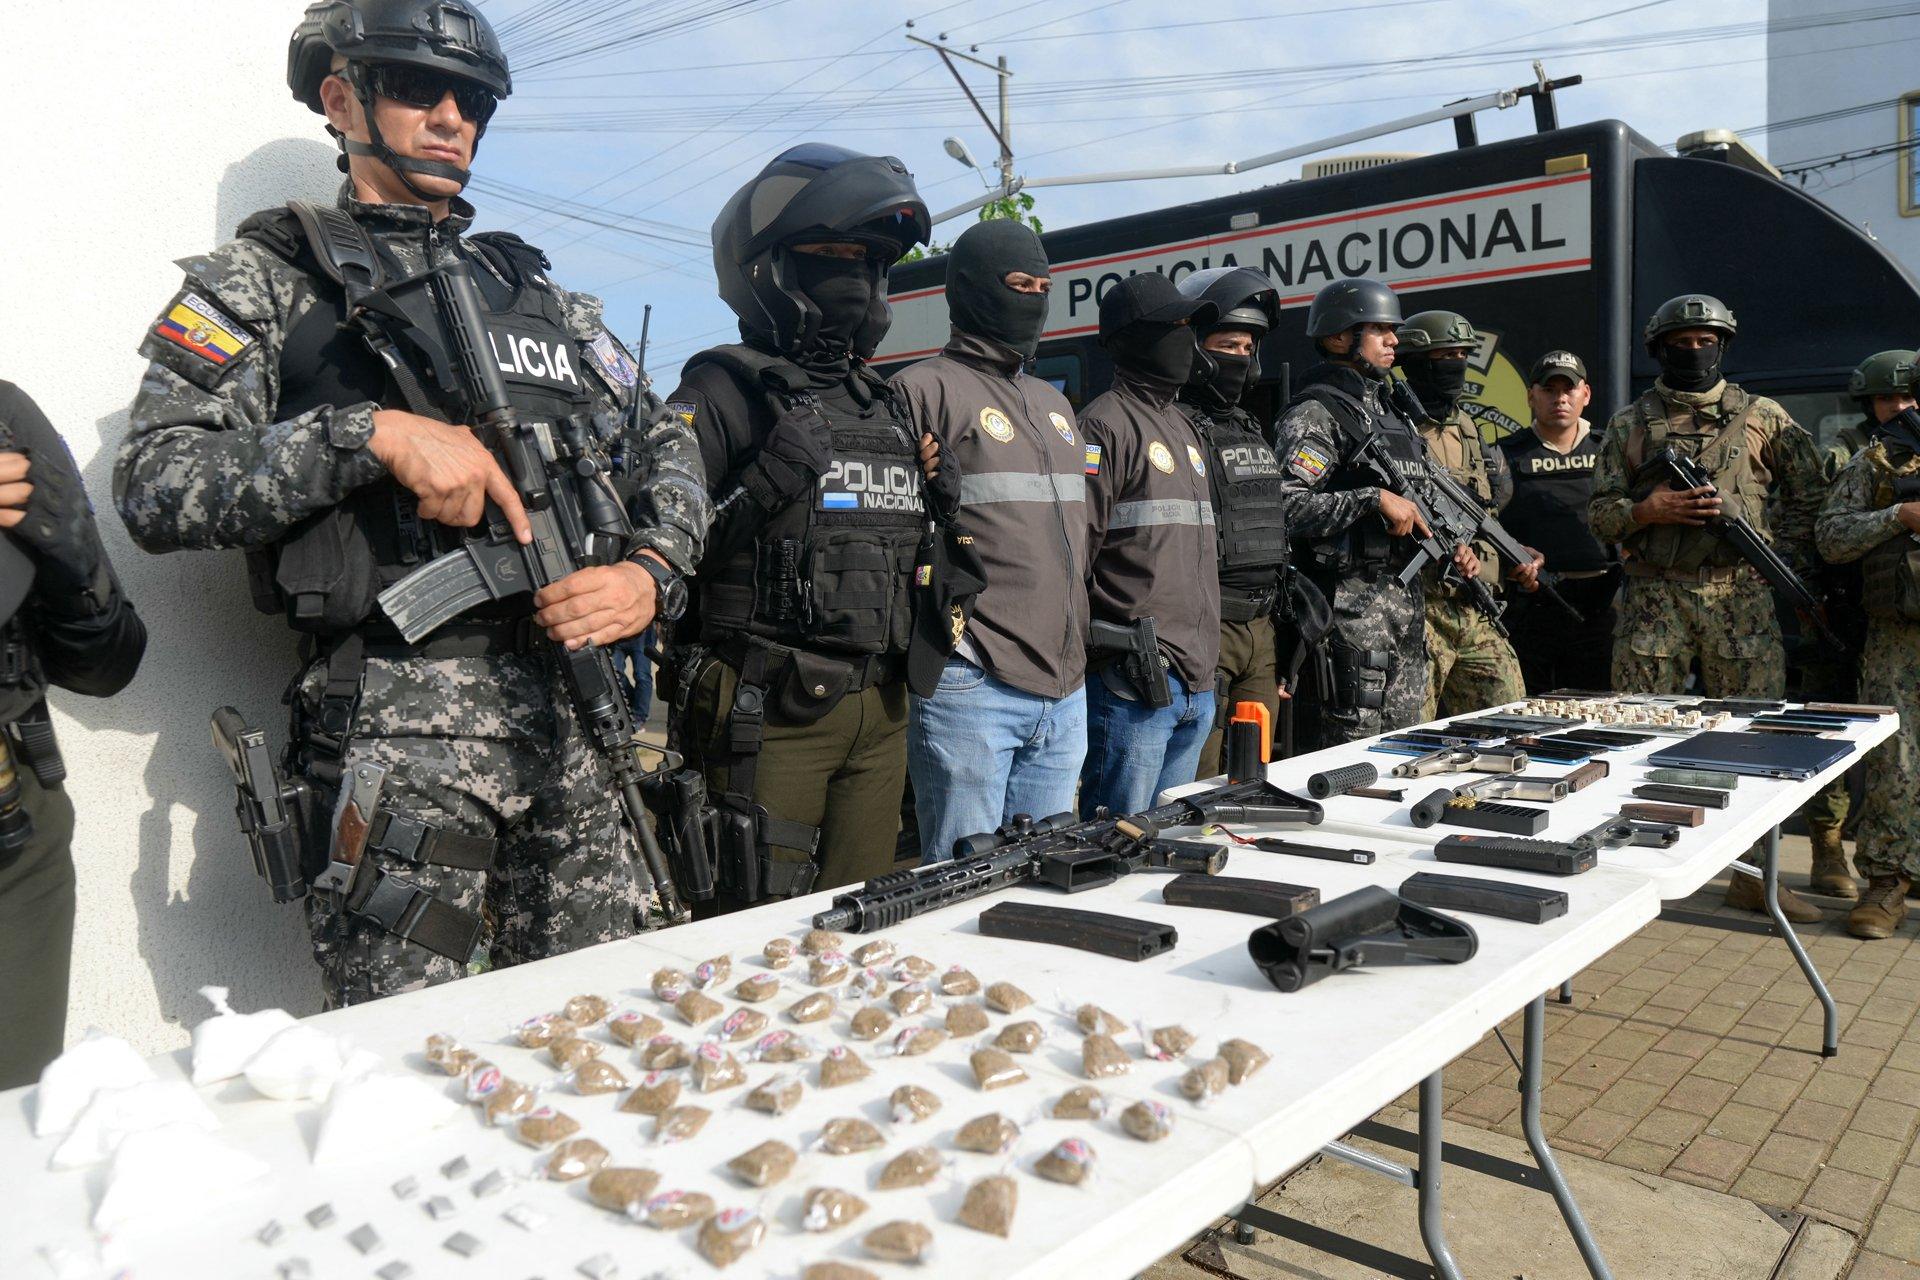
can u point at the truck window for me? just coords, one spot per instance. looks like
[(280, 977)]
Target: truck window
[(1063, 369)]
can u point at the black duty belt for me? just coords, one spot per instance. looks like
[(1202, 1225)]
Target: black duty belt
[(459, 640), (1244, 606), (868, 671)]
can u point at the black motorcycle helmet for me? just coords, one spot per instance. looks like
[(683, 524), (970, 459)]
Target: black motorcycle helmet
[(451, 36), (815, 191), (1246, 300)]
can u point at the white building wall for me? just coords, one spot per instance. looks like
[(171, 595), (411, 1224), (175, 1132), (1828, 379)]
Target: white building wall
[(138, 134), (1836, 67)]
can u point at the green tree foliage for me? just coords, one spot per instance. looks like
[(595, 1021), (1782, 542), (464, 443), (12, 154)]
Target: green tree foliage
[(1018, 207)]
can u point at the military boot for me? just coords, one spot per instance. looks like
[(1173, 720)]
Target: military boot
[(1882, 907), (1745, 893), (1830, 873)]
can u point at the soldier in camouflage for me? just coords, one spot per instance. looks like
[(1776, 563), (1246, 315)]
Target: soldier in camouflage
[(1871, 519), (1881, 386), (1689, 597), (266, 424), (1349, 533), (1470, 661)]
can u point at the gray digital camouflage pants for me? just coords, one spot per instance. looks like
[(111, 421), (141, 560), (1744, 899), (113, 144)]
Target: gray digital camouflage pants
[(487, 746)]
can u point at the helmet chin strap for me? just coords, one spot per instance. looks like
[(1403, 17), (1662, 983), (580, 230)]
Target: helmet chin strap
[(376, 147)]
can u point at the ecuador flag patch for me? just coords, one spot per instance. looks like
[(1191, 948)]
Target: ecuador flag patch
[(194, 323)]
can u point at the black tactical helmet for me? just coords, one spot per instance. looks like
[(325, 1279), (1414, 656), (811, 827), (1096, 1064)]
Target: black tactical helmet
[(1689, 311), (443, 35), (814, 191), (1887, 373), (1430, 331), (1343, 304)]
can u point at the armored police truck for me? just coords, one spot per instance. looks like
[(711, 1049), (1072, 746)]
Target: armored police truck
[(1564, 239)]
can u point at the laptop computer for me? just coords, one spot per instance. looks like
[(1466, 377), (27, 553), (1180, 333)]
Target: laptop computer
[(1757, 755)]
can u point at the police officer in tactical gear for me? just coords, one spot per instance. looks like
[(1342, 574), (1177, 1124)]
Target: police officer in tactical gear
[(1689, 597), (1349, 533), (1871, 518), (1470, 663), (1005, 730), (1882, 386), (787, 678), (1250, 525), (1552, 463), (1153, 595), (63, 622), (298, 405)]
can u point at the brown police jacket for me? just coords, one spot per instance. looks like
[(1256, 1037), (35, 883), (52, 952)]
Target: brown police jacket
[(1150, 513), (1023, 494)]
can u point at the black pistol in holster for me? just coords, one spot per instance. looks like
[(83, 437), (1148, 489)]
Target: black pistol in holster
[(689, 827), (1140, 663), (276, 815)]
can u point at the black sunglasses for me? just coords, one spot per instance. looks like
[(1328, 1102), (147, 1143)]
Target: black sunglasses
[(425, 88)]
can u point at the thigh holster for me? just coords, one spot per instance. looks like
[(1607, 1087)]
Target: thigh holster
[(1359, 677)]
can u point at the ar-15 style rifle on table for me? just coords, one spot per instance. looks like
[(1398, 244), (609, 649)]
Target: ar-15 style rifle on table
[(1066, 853)]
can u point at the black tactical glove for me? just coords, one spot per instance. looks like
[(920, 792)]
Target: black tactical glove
[(797, 453), (943, 490), (72, 578)]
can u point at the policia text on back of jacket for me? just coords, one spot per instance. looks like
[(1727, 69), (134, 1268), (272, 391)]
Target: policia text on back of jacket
[(787, 679)]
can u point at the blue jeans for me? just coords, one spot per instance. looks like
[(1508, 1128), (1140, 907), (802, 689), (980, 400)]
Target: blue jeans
[(1134, 752), (981, 751), (633, 650)]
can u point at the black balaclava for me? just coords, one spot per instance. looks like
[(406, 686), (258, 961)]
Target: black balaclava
[(1438, 383), (1691, 368), (1161, 355), (1219, 380), (842, 290), (978, 298)]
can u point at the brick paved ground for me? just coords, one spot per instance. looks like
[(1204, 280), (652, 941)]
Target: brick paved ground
[(1693, 1052)]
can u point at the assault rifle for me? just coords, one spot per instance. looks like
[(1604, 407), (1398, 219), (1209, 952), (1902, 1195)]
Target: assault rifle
[(1685, 473), (1455, 518), (1067, 853), (577, 520)]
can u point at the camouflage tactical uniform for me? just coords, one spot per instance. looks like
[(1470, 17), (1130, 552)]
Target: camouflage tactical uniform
[(1688, 595), (1329, 512), (482, 746), (1858, 519), (1470, 664)]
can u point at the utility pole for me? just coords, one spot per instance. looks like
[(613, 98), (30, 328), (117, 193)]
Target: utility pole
[(1003, 130)]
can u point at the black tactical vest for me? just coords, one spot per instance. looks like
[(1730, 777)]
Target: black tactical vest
[(1359, 407), (834, 574), (1550, 495), (1249, 521), (326, 574)]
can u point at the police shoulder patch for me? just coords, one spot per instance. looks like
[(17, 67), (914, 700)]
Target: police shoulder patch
[(681, 409), (1194, 460), (1308, 463), (1093, 459), (612, 361)]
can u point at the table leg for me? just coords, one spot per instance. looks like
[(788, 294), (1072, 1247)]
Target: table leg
[(1770, 878), (1531, 1054), (1433, 1232), (1566, 992)]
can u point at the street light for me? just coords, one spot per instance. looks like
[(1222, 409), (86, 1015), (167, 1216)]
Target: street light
[(958, 150)]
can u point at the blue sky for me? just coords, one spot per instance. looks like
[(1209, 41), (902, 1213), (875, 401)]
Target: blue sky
[(652, 132)]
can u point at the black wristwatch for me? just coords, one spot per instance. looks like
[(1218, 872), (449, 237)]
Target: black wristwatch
[(670, 596)]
